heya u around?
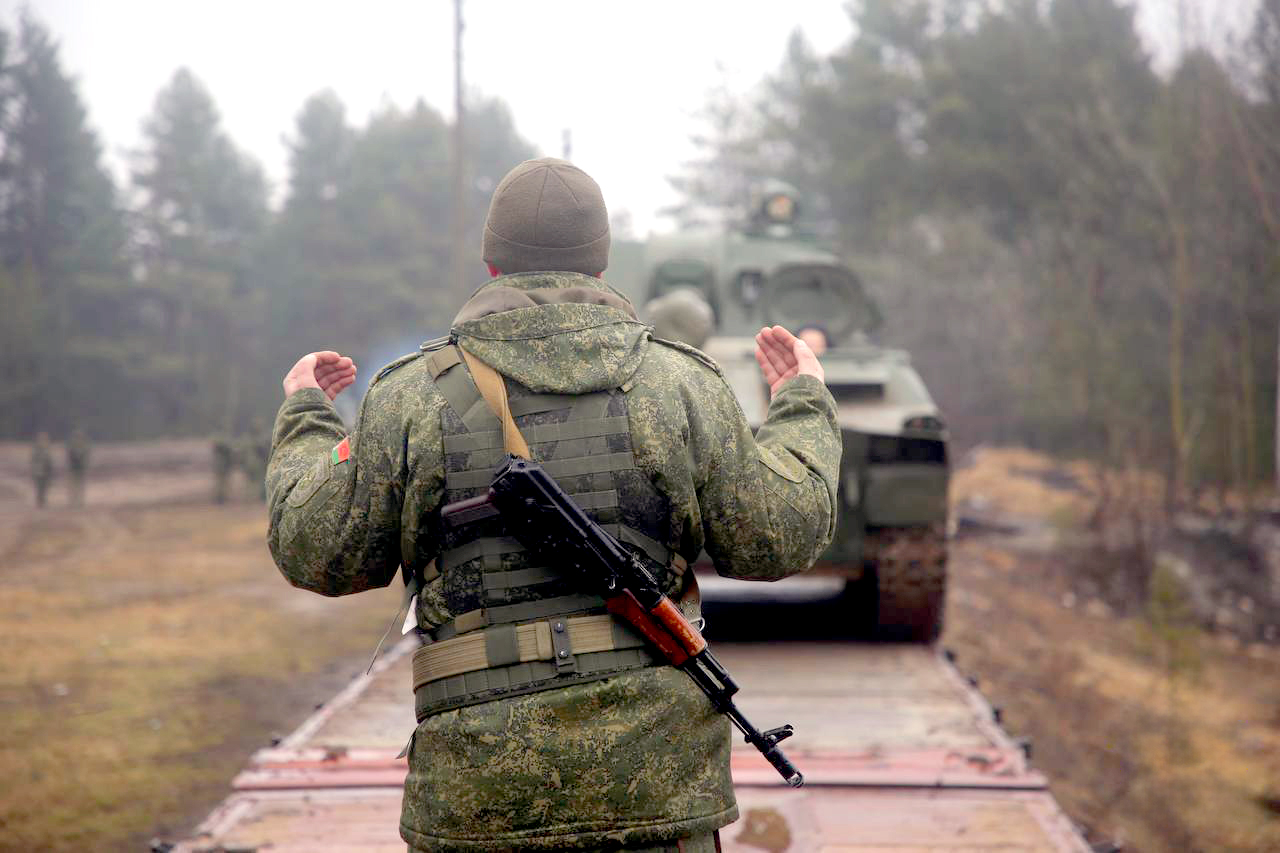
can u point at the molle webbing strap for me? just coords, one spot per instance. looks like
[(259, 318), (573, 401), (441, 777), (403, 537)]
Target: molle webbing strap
[(487, 546), (605, 464), (525, 611), (532, 404), (441, 360), (494, 391), (518, 578), (655, 550), (596, 500), (464, 398), (471, 441)]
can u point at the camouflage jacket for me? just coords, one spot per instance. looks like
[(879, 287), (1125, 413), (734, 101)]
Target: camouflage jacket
[(41, 462), (78, 454), (634, 759)]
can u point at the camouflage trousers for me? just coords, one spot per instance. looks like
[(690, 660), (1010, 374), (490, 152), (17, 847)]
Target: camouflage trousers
[(708, 843)]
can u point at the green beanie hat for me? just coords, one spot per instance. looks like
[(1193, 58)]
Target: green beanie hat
[(547, 214)]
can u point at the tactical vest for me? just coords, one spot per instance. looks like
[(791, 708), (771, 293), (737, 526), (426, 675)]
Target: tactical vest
[(523, 628)]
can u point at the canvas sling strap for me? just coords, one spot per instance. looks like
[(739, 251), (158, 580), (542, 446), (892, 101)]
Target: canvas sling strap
[(523, 649), (494, 392)]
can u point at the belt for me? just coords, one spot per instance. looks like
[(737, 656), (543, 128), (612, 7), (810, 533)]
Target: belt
[(515, 659), (558, 640), (512, 660)]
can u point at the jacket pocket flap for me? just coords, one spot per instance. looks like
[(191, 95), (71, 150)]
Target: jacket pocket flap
[(784, 465), (307, 487)]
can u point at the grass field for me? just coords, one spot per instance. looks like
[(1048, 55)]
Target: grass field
[(149, 649)]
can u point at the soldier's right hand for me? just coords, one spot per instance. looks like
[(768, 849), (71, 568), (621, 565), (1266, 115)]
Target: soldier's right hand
[(783, 356), (326, 370)]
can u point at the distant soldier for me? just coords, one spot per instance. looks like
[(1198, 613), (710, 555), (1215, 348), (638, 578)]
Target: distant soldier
[(255, 450), (224, 460), (78, 464), (42, 467)]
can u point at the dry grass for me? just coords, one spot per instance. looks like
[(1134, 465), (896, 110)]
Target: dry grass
[(148, 651), (1003, 478), (1158, 756)]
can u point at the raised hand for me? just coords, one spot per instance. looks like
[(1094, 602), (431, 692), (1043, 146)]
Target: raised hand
[(326, 370), (783, 356)]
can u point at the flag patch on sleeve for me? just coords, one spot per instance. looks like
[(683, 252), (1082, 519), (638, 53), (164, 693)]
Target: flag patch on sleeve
[(342, 452)]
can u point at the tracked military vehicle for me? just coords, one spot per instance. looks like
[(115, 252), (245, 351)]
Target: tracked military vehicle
[(715, 288)]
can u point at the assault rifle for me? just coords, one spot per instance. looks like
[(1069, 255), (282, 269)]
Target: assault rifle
[(538, 513)]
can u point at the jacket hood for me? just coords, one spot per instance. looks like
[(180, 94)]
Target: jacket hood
[(554, 332)]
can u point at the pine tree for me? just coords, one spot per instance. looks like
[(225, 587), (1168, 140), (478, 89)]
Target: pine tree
[(199, 229), (359, 256), (61, 242)]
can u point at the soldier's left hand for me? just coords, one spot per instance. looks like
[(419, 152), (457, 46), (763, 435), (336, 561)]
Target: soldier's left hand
[(783, 356), (326, 370)]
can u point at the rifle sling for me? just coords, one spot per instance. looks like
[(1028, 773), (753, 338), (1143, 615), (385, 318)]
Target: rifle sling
[(494, 391)]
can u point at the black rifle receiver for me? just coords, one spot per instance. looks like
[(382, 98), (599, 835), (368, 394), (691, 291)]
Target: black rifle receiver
[(538, 513)]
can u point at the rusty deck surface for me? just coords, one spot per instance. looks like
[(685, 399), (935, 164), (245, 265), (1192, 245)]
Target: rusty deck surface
[(899, 753)]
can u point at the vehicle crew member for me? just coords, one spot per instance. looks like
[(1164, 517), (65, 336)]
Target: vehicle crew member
[(41, 467), (682, 315), (599, 748)]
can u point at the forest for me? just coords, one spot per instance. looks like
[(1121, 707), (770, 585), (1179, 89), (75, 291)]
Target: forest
[(1078, 247), (1078, 250)]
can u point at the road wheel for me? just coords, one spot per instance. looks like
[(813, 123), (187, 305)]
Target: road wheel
[(909, 565)]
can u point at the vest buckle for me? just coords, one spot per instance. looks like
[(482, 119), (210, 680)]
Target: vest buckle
[(561, 648)]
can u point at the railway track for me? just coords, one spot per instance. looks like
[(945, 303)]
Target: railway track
[(898, 749)]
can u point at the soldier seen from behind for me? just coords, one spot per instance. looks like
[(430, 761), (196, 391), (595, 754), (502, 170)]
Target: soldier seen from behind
[(224, 461), (602, 748), (42, 467), (78, 449)]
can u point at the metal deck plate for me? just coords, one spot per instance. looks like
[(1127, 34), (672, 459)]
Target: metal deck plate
[(302, 821), (898, 751), (844, 820)]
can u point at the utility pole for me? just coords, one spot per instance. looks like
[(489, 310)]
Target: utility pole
[(458, 231), (566, 145)]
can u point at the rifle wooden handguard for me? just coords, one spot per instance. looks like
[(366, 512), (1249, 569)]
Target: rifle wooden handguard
[(670, 617), (629, 610)]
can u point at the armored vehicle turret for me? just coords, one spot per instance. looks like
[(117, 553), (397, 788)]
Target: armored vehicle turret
[(890, 543)]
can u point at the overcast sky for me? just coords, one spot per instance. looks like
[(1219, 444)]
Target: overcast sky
[(627, 78)]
